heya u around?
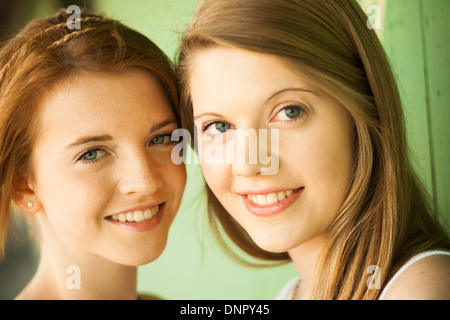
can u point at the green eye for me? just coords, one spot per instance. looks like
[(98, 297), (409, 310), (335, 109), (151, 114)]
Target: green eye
[(217, 127), (222, 126), (292, 113), (289, 113), (90, 155), (162, 139)]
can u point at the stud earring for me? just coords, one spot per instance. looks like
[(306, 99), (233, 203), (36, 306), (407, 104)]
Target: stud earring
[(30, 204)]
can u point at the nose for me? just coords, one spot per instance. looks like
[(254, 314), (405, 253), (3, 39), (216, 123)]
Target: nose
[(139, 176), (246, 161), (246, 170), (253, 156)]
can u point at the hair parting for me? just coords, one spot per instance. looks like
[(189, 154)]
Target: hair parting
[(68, 37)]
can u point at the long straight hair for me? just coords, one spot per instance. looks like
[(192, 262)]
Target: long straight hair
[(387, 216), (45, 53)]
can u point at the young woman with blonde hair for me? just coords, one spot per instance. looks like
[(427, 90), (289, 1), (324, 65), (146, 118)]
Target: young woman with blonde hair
[(344, 205), (86, 116)]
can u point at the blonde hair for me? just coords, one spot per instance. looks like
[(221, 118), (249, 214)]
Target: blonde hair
[(387, 216), (47, 52)]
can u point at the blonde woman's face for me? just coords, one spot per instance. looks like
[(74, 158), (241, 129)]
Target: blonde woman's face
[(287, 182), (102, 169)]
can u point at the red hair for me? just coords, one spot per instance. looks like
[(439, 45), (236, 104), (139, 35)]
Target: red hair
[(45, 53)]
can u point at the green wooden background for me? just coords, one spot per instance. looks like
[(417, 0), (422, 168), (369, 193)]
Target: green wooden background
[(416, 35)]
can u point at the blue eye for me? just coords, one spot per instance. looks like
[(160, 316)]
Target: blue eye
[(161, 139), (292, 113), (92, 155), (216, 128), (289, 113)]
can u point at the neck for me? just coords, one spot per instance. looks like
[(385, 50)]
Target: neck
[(304, 258), (63, 275)]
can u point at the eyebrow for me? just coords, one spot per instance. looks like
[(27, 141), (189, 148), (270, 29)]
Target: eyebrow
[(207, 114), (162, 124), (290, 89), (106, 137), (89, 139)]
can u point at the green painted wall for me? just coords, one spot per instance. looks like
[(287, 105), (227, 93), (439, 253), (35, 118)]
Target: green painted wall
[(416, 35), (435, 20)]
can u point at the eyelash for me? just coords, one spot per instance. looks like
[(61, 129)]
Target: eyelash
[(207, 125), (301, 109), (93, 161), (292, 106), (167, 141), (163, 135)]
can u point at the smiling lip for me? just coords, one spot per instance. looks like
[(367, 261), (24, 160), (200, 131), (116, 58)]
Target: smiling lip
[(270, 202), (139, 219)]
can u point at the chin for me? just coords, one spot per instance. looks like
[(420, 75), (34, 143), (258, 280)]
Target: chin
[(140, 255), (278, 242), (140, 260), (271, 246)]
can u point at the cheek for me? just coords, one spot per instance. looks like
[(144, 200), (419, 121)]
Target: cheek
[(69, 198), (323, 161), (219, 179), (215, 176), (174, 175), (338, 162), (176, 180)]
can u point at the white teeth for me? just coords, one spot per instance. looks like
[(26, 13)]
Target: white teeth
[(270, 198), (148, 214), (136, 216), (261, 199), (130, 216)]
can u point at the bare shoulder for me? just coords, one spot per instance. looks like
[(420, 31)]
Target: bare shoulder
[(426, 279)]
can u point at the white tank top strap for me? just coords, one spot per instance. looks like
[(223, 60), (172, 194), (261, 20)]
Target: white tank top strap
[(288, 290), (409, 263)]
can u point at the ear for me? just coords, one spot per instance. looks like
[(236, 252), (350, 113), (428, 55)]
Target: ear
[(24, 196)]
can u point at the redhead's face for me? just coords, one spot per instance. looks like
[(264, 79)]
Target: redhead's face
[(234, 89), (102, 169)]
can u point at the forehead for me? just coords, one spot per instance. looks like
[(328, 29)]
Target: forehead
[(89, 92), (97, 101), (230, 75), (246, 64), (230, 71)]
